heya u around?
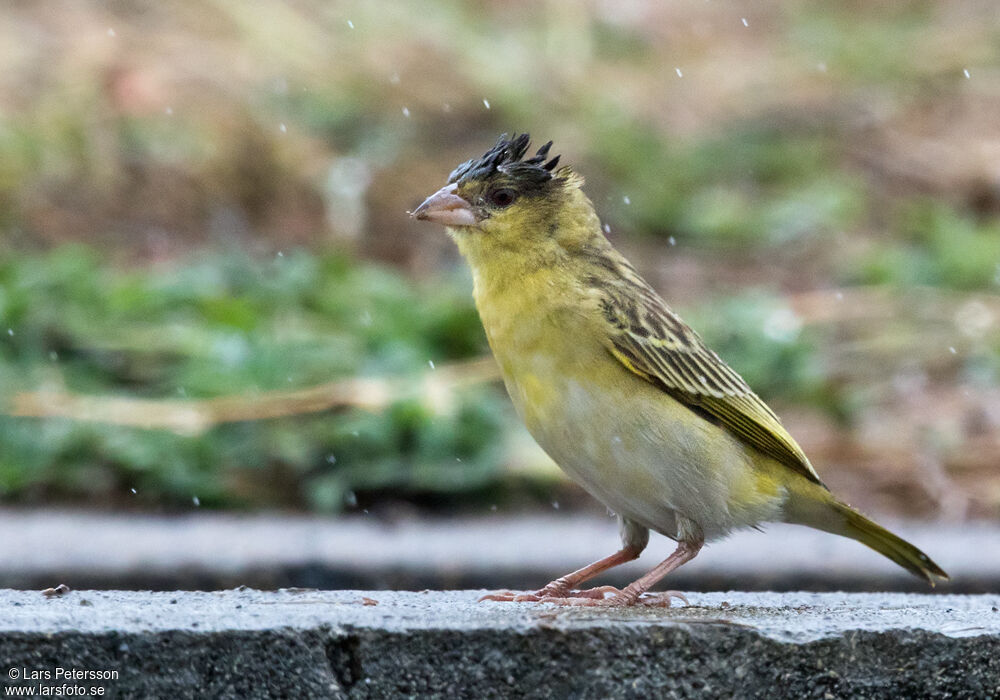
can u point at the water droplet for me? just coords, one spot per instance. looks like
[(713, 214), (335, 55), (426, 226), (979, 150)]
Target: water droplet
[(446, 108), (133, 491), (406, 111), (431, 363), (196, 501), (493, 507), (555, 504), (965, 72), (111, 32), (486, 103), (54, 356), (351, 499), (672, 241), (331, 458), (679, 74), (10, 331), (281, 254), (169, 111), (839, 295), (284, 129), (745, 23), (952, 350), (350, 24), (627, 199), (607, 228)]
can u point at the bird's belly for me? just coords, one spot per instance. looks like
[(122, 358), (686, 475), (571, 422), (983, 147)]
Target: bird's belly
[(642, 453)]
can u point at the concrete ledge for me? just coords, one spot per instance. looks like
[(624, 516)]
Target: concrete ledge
[(306, 643)]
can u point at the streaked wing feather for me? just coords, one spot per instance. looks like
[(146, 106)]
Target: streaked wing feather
[(652, 341)]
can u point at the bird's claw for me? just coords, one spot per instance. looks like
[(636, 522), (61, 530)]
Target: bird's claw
[(661, 599)]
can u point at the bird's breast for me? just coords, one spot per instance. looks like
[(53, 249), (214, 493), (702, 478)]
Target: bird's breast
[(634, 447)]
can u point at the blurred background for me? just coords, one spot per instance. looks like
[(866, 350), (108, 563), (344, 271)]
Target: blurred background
[(211, 296)]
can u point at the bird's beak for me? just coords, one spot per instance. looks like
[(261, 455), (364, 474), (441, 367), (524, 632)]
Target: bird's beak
[(446, 207)]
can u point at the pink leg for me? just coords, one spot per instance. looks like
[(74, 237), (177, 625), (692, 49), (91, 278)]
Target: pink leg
[(562, 587), (630, 595)]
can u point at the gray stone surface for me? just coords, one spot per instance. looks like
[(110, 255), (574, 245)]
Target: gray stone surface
[(306, 643), (207, 550)]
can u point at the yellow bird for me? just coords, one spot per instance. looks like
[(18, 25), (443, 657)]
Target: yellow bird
[(616, 388)]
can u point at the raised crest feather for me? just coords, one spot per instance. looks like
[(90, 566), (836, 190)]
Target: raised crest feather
[(505, 153)]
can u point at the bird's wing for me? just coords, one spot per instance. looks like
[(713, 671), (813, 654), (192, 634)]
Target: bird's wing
[(653, 342)]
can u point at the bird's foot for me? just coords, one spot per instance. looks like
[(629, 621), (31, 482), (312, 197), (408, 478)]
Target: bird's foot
[(551, 594), (624, 599)]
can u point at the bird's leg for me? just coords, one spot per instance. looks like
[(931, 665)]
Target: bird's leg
[(635, 537), (631, 594), (563, 586)]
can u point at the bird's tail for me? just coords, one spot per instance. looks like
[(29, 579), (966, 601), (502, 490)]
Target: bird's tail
[(812, 505)]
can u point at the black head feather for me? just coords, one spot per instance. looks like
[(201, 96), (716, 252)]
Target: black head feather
[(506, 155)]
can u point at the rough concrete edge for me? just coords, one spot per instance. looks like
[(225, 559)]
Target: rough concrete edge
[(687, 658)]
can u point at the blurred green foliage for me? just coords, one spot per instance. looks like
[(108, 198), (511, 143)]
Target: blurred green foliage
[(223, 321), (761, 188), (230, 324), (935, 245)]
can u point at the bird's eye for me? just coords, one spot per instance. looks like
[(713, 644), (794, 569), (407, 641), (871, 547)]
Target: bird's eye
[(502, 198)]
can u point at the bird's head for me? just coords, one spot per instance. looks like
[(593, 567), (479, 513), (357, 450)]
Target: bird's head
[(503, 201)]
